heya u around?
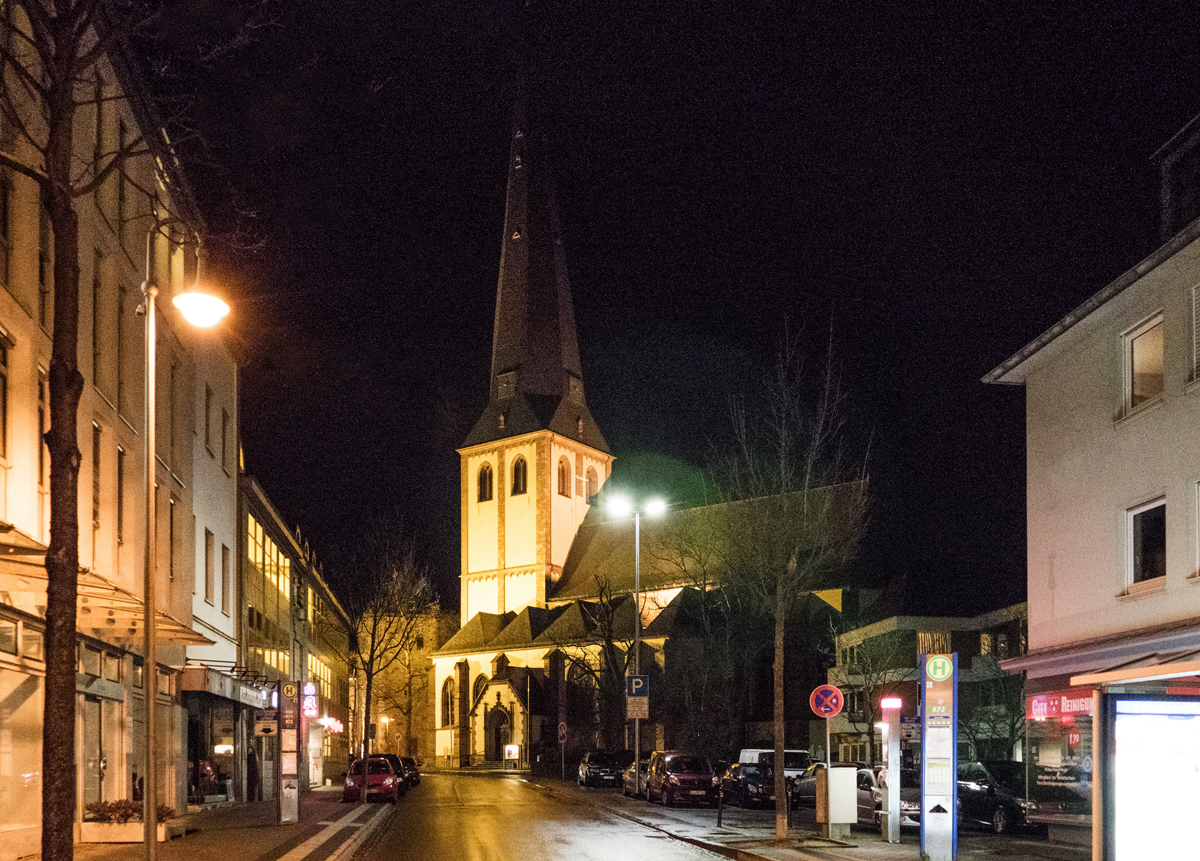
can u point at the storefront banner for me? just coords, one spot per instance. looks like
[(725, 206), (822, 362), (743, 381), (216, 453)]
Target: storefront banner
[(1075, 701)]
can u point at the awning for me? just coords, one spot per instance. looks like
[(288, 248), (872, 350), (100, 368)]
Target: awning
[(104, 610)]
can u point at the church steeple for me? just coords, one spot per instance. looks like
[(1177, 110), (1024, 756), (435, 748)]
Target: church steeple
[(536, 379)]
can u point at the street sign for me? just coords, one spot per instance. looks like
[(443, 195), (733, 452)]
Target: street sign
[(939, 757), (637, 698), (562, 732), (826, 701)]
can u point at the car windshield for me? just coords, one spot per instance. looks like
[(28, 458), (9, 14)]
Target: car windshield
[(1010, 775), (379, 766), (356, 767), (602, 759), (408, 761), (688, 765), (756, 771)]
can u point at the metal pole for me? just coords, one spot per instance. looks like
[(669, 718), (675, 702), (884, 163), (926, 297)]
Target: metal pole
[(637, 643), (150, 667)]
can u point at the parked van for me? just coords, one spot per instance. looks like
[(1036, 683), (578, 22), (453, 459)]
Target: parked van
[(794, 761)]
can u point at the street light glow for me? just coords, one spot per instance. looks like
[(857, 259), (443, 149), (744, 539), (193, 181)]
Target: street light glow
[(655, 506), (201, 309), (620, 505)]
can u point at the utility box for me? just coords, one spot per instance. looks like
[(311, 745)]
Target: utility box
[(837, 801)]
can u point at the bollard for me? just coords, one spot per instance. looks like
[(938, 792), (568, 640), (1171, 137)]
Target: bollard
[(720, 802)]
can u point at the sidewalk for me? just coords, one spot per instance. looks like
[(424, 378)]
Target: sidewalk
[(750, 835), (327, 830)]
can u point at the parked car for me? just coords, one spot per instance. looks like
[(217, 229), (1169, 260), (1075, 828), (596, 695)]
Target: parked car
[(627, 779), (380, 781), (599, 768), (397, 769), (676, 776), (804, 788), (412, 773), (910, 796), (993, 793), (747, 784), (794, 761)]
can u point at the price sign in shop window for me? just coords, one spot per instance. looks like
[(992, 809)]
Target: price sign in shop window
[(1061, 757)]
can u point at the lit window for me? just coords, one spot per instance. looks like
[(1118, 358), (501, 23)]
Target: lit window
[(1147, 539), (210, 566), (564, 477), (520, 476), (1144, 363), (485, 483), (593, 484)]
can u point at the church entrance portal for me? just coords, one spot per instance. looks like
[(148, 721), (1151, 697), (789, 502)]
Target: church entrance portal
[(499, 731)]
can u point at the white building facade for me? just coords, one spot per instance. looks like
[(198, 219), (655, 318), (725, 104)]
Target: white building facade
[(1113, 471)]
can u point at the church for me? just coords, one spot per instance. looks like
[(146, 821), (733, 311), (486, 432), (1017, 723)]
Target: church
[(546, 589)]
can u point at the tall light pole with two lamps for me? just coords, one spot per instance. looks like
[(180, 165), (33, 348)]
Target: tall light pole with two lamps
[(199, 309), (622, 506)]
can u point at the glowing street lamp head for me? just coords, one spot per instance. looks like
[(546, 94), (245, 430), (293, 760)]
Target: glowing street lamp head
[(888, 703), (201, 309), (620, 505), (654, 507)]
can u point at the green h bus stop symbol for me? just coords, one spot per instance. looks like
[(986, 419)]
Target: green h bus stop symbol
[(939, 668)]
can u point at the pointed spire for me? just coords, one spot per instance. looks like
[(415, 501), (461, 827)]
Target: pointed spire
[(536, 379)]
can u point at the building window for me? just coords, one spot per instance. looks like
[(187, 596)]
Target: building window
[(3, 400), (520, 476), (593, 484), (225, 579), (95, 475), (1144, 363), (564, 477), (45, 266), (97, 289), (43, 414), (5, 224), (120, 347), (171, 539), (224, 439), (481, 684), (485, 483), (208, 405), (448, 702), (120, 495), (210, 566), (1147, 539)]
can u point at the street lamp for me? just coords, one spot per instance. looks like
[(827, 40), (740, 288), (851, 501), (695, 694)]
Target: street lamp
[(622, 506), (203, 312)]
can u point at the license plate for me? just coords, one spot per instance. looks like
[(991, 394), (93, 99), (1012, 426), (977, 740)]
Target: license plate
[(699, 792)]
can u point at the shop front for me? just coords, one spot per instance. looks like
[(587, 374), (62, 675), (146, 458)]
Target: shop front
[(1061, 762)]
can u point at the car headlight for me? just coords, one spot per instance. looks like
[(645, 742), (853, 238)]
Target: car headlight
[(671, 780), (752, 788), (1027, 804)]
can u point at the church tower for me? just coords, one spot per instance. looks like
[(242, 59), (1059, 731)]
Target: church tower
[(535, 458)]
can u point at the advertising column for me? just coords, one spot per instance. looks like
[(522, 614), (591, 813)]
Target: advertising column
[(289, 764), (939, 757)]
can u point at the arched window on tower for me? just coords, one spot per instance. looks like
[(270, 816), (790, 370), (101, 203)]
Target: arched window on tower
[(564, 477), (593, 484), (520, 476), (485, 483), (448, 702), (481, 684)]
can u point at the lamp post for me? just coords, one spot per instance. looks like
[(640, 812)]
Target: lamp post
[(200, 310), (623, 506)]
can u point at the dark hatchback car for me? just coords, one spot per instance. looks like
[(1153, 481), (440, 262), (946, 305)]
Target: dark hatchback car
[(412, 773), (600, 768), (992, 793), (680, 777), (747, 784)]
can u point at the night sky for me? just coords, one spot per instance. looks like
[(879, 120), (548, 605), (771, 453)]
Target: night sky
[(938, 183)]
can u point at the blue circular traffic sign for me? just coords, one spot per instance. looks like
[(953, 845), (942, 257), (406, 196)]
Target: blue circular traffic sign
[(826, 701)]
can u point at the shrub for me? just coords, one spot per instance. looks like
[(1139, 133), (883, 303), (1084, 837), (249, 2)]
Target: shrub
[(122, 811)]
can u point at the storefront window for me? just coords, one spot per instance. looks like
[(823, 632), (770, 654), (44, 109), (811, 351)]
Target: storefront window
[(1060, 751)]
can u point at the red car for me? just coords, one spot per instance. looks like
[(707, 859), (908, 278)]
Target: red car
[(381, 781)]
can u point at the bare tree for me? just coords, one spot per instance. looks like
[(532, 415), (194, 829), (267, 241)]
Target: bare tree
[(991, 710), (51, 53), (404, 685), (874, 669), (387, 598), (598, 661), (795, 508)]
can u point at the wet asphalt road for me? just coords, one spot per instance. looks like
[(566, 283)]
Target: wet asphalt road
[(498, 818)]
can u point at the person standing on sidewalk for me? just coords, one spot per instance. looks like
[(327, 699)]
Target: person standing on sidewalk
[(253, 781)]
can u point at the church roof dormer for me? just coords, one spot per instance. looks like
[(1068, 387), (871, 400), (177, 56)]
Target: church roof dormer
[(536, 378)]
